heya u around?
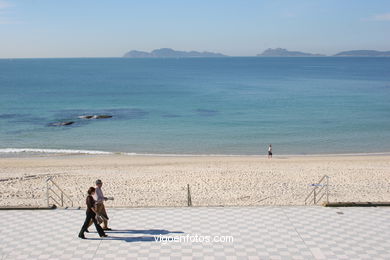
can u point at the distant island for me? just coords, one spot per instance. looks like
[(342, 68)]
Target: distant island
[(279, 52), (364, 53), (170, 53)]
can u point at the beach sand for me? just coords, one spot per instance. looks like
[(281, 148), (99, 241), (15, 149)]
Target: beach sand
[(138, 181)]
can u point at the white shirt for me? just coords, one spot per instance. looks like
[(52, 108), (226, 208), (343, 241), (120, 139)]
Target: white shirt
[(99, 195)]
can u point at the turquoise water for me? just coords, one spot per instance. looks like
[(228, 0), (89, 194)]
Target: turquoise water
[(198, 106)]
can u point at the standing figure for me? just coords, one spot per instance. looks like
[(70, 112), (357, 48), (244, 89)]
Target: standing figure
[(90, 215), (270, 151), (101, 210)]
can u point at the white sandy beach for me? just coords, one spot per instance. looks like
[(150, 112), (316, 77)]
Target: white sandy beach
[(136, 181)]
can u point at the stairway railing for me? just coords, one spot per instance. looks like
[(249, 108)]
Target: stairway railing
[(319, 190), (56, 194)]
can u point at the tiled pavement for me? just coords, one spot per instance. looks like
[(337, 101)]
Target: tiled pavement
[(258, 233)]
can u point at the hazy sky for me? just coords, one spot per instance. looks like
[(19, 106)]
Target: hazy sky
[(109, 28)]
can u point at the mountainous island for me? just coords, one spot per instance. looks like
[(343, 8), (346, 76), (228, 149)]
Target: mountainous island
[(170, 53), (363, 53), (279, 52)]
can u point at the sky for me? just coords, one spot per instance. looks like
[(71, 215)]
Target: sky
[(109, 28)]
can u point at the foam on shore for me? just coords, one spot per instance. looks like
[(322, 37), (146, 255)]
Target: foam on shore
[(51, 151)]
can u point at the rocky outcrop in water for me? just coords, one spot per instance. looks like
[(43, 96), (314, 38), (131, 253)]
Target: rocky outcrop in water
[(95, 116), (101, 116), (85, 117), (65, 123)]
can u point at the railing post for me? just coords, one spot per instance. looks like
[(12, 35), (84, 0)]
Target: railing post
[(314, 192), (327, 189), (47, 193), (62, 199), (189, 196)]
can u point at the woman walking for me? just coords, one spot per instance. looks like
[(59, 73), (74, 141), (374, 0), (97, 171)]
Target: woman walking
[(91, 215)]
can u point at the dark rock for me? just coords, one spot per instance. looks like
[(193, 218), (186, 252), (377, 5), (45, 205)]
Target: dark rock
[(94, 116), (62, 123), (85, 117), (101, 116)]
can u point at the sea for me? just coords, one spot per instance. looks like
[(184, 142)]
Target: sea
[(196, 106)]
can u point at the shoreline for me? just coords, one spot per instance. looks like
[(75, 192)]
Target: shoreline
[(34, 152)]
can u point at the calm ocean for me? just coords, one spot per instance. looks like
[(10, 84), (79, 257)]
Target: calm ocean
[(197, 106)]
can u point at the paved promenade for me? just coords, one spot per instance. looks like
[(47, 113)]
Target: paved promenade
[(239, 233)]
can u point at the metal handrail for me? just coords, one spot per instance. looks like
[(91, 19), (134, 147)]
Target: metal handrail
[(315, 195), (50, 191)]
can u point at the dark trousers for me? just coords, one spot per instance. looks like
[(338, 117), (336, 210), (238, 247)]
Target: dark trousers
[(91, 216)]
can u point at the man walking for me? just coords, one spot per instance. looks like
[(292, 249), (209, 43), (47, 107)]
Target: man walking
[(270, 151), (100, 209)]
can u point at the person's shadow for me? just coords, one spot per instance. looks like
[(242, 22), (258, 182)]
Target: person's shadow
[(144, 231), (154, 232)]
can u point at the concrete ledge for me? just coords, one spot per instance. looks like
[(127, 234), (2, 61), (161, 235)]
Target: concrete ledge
[(27, 208), (356, 204)]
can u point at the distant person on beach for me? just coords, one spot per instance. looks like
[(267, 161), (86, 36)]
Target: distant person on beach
[(270, 151), (91, 215), (100, 209)]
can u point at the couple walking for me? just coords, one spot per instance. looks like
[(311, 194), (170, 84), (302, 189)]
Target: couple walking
[(95, 211)]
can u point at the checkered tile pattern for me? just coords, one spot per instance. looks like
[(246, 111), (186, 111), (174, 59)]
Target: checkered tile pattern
[(258, 233)]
